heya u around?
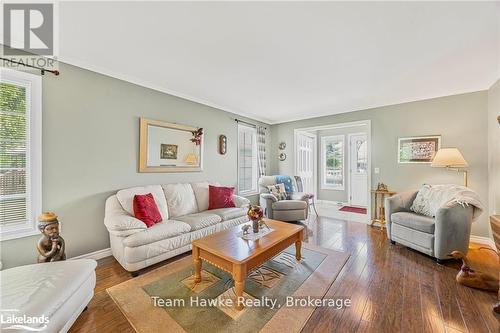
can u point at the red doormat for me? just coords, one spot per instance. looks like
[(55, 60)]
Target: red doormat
[(353, 209)]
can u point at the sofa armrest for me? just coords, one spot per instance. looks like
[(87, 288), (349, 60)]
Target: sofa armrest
[(452, 230), (241, 202), (300, 196), (269, 196), (400, 202), (266, 202), (118, 221), (123, 225)]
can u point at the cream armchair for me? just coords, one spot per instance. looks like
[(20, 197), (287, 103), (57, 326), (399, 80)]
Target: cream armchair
[(293, 209)]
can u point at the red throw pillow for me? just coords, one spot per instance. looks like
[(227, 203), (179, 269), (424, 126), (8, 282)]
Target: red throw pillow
[(146, 210), (220, 197)]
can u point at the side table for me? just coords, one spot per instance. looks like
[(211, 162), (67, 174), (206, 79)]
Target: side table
[(379, 209)]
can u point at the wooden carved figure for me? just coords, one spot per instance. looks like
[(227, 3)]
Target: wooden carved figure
[(51, 245)]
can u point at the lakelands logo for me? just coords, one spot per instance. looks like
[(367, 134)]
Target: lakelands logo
[(28, 27), (13, 320)]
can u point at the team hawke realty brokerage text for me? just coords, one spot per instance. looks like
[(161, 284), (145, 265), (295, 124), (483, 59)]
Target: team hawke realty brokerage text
[(262, 302)]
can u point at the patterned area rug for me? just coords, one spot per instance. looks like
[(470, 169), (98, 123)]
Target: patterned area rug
[(168, 297)]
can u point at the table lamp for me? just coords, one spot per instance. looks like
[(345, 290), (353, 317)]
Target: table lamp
[(452, 159)]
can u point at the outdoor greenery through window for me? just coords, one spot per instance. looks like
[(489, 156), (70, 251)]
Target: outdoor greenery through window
[(19, 190), (332, 150)]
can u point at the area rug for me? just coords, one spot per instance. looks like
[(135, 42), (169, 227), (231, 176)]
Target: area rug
[(167, 299), (352, 209)]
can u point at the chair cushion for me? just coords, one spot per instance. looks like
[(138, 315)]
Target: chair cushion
[(42, 289), (229, 213), (414, 221), (200, 220), (159, 231), (180, 199), (126, 198), (278, 190), (289, 205)]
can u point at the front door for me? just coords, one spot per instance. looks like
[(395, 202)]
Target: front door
[(358, 167), (305, 160)]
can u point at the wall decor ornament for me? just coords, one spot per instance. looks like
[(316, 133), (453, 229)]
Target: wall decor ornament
[(418, 149), (282, 146), (51, 246), (222, 144), (168, 152), (282, 157), (170, 147)]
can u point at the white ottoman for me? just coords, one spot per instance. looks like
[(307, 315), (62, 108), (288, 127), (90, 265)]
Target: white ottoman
[(52, 294)]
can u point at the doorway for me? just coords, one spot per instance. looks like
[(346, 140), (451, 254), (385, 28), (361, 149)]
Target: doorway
[(358, 170), (334, 162), (305, 159)]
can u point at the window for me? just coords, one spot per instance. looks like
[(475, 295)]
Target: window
[(247, 159), (332, 162), (20, 153)]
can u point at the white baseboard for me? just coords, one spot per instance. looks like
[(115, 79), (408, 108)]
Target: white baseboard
[(96, 255), (331, 203), (483, 240)]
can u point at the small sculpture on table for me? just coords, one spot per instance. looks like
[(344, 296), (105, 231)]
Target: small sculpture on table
[(245, 229), (255, 213), (382, 187), (51, 245)]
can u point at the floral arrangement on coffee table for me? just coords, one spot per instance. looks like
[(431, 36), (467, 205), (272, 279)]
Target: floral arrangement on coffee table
[(255, 213)]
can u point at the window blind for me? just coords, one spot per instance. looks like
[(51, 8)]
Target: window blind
[(13, 158), (247, 158)]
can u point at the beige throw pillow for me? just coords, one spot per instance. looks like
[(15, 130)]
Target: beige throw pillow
[(278, 190)]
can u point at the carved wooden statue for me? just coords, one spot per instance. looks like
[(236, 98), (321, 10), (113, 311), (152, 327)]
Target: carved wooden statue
[(51, 245)]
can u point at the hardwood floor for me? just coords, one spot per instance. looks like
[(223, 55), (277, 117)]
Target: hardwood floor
[(392, 288)]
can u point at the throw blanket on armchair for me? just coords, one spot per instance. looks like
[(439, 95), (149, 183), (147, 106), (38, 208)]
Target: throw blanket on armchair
[(432, 197), (285, 180)]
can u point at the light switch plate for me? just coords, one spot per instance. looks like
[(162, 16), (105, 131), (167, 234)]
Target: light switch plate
[(376, 170)]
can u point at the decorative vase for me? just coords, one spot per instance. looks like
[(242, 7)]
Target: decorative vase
[(255, 226), (255, 213)]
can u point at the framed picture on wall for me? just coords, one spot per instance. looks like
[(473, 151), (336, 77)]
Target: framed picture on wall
[(420, 149)]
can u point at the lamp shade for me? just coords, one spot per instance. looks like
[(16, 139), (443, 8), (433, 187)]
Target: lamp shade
[(449, 157), (191, 159)]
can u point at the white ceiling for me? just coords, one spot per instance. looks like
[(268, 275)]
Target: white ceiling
[(280, 61)]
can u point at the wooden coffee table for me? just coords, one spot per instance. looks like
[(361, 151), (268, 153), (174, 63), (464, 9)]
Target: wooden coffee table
[(238, 256)]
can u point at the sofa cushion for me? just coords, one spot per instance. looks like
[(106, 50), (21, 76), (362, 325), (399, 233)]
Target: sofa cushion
[(201, 193), (180, 199), (200, 220), (289, 205), (229, 213), (146, 209), (159, 231), (43, 289), (220, 197), (126, 198), (414, 221)]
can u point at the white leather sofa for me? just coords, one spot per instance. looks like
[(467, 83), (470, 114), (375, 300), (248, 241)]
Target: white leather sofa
[(185, 214), (55, 292)]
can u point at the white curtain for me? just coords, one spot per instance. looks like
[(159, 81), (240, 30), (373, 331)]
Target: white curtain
[(261, 149)]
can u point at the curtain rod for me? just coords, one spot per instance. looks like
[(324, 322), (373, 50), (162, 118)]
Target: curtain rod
[(41, 69), (246, 122)]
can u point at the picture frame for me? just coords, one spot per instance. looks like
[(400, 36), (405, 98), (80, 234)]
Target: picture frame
[(418, 149), (169, 147)]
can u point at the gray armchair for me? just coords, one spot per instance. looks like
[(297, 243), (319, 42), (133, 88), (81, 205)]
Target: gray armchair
[(294, 209), (437, 237)]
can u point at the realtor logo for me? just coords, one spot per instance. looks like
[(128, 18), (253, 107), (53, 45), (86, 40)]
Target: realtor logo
[(28, 27)]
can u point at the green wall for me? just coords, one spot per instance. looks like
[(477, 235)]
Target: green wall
[(494, 147), (91, 148), (461, 120)]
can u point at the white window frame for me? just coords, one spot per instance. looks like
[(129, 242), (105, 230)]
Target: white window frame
[(33, 84), (254, 190), (324, 185)]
